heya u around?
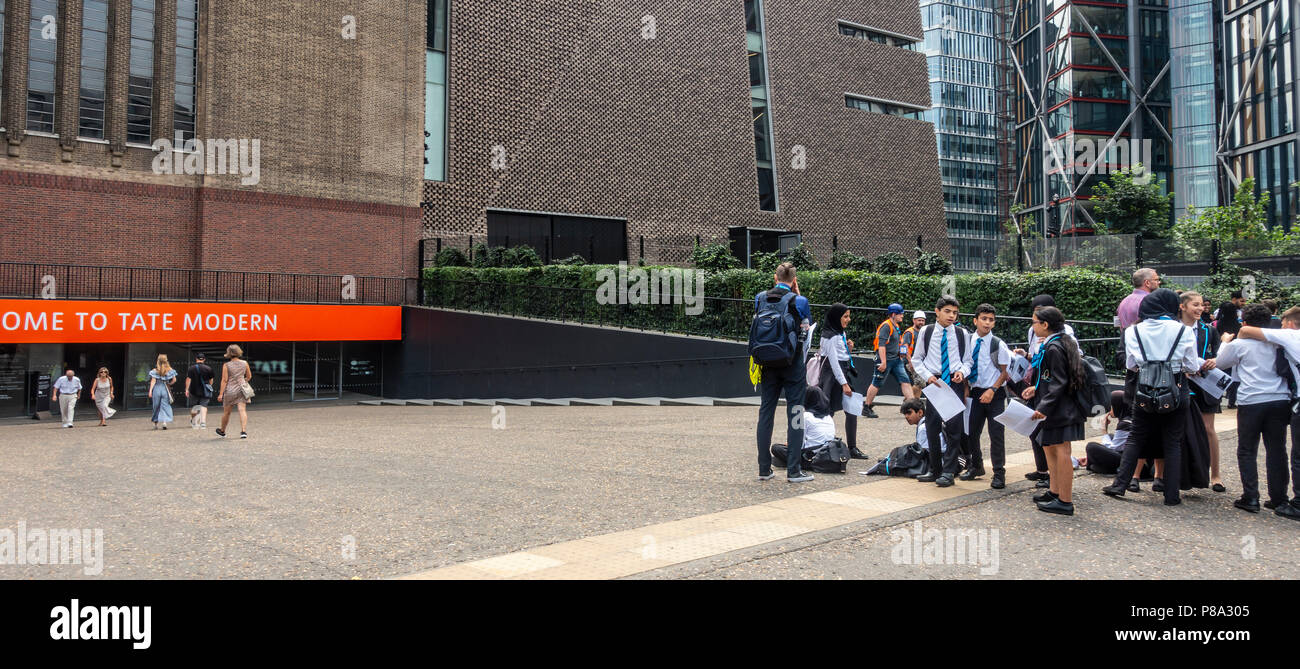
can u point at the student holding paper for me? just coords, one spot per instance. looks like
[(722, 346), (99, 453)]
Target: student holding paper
[(1058, 376), (988, 362), (835, 349), (1191, 307), (941, 360), (1288, 338), (1040, 473)]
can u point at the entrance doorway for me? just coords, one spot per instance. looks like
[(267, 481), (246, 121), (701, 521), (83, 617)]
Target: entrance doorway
[(316, 370)]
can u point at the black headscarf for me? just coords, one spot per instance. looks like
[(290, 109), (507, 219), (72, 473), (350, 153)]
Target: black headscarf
[(831, 326), (1161, 302), (1042, 301), (815, 402)]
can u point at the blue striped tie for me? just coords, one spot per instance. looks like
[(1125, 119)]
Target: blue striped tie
[(975, 366), (944, 373)]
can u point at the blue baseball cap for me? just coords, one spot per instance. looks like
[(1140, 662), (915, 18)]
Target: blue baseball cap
[(895, 308)]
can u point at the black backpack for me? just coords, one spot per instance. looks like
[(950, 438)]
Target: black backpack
[(1159, 389), (909, 460), (831, 457), (774, 334)]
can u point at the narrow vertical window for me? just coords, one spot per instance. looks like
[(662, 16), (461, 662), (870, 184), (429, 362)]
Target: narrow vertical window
[(2, 40), (139, 103), (435, 93), (41, 58), (94, 65), (187, 23), (760, 104)]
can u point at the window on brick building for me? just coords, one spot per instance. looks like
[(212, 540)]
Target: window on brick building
[(435, 92), (759, 95), (2, 41), (94, 68), (883, 107), (42, 55), (186, 98), (139, 104), (878, 36)]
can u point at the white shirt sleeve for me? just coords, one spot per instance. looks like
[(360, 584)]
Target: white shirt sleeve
[(1229, 355), (831, 351), (963, 362), (922, 362), (1289, 340)]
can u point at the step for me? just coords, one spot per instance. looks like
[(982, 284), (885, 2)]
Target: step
[(591, 402), (512, 403), (393, 403), (448, 403), (637, 401), (686, 402), (423, 403)]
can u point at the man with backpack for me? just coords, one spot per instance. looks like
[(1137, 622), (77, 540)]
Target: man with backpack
[(988, 361), (775, 345), (941, 358), (1163, 352)]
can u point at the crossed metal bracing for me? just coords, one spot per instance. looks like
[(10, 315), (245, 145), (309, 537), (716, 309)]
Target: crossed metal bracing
[(1039, 118), (1247, 84)]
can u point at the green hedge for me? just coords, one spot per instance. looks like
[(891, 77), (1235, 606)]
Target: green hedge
[(1081, 295)]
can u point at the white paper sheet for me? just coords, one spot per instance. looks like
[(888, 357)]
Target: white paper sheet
[(853, 404), (1018, 418), (1018, 368), (966, 416), (943, 400), (808, 340), (1213, 382)]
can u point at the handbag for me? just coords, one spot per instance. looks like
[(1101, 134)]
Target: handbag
[(246, 389)]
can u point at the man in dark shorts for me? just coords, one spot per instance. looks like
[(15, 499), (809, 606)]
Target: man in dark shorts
[(198, 391)]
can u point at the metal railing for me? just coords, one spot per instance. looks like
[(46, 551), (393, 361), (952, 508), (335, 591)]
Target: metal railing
[(80, 282), (718, 317)]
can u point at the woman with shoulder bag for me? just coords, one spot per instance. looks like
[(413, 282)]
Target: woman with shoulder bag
[(235, 391)]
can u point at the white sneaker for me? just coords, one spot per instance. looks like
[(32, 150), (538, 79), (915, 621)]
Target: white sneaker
[(203, 426)]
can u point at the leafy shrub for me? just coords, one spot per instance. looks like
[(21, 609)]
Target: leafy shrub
[(521, 256), (1217, 288), (846, 260), (892, 263), (933, 264), (713, 257), (803, 259), (574, 259), (451, 257), (478, 255)]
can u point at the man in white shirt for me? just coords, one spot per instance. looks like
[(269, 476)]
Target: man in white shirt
[(1288, 340), (987, 359), (940, 358), (67, 389), (1158, 337)]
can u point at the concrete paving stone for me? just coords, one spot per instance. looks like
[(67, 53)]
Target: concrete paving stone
[(591, 402), (542, 402), (370, 403), (476, 402), (686, 402), (448, 403), (512, 403), (423, 403), (636, 401), (393, 403), (737, 401)]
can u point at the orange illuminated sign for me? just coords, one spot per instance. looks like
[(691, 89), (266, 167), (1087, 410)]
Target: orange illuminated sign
[(69, 321)]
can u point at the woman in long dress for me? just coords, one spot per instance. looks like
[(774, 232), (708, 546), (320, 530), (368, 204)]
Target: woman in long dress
[(101, 391), (161, 377)]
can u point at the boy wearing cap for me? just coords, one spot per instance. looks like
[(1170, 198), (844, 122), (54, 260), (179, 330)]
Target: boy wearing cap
[(887, 346)]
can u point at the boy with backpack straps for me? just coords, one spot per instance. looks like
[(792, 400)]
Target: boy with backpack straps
[(988, 361), (1163, 352), (776, 346), (941, 358)]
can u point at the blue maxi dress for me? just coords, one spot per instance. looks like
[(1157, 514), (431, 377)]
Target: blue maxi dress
[(162, 408)]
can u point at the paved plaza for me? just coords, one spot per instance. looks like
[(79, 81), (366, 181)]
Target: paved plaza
[(339, 490)]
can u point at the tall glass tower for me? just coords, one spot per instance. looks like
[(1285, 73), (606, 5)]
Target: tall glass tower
[(963, 47)]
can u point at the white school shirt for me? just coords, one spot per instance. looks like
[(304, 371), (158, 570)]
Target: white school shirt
[(988, 372), (833, 350), (817, 431), (922, 438), (1289, 341), (1157, 339), (1035, 341), (931, 360), (1253, 365)]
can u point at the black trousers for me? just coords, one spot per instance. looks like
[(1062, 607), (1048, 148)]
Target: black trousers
[(1268, 420), (980, 414), (945, 462), (1155, 429), (1102, 460), (1295, 457)]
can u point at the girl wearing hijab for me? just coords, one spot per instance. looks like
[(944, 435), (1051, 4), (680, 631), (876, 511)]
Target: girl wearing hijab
[(835, 349), (1041, 471), (1058, 375), (1157, 337)]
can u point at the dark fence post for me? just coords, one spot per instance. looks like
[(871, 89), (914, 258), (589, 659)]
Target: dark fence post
[(835, 243), (471, 248), (1215, 251), (641, 254), (1137, 250), (919, 241), (1020, 253)]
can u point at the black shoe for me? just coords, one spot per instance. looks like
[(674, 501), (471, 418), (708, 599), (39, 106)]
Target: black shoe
[(1037, 476), (798, 478), (1045, 497), (1133, 486), (944, 481), (243, 435), (972, 473), (927, 478), (1270, 505), (1043, 483), (1114, 490), (1158, 485), (998, 482), (856, 454), (1218, 487), (1173, 502), (1058, 507), (1246, 505), (221, 432), (868, 412), (766, 476), (1288, 510)]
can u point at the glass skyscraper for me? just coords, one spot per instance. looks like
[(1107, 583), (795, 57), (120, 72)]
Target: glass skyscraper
[(962, 46), (1192, 84)]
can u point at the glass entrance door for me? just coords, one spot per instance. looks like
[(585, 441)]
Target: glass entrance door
[(316, 370)]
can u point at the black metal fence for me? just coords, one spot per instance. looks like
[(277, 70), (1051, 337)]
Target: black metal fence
[(74, 282)]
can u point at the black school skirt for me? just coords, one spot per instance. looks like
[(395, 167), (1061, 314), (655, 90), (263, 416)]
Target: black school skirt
[(1050, 436)]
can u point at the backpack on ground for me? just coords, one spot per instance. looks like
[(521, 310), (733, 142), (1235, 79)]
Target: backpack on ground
[(831, 457), (774, 334), (1159, 390), (909, 460)]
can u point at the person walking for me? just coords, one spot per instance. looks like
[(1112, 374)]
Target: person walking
[(67, 389), (940, 358), (235, 374), (1058, 376), (889, 361), (161, 378), (101, 393), (835, 347), (198, 391), (1158, 339)]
